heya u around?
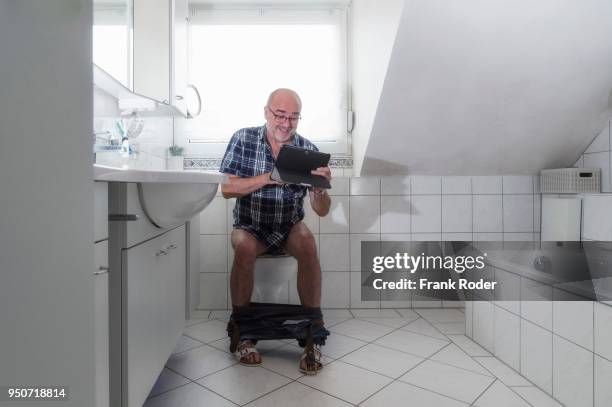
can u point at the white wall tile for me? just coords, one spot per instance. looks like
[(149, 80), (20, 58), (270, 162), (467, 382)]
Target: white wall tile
[(426, 213), (507, 337), (335, 290), (426, 237), (395, 237), (456, 185), (596, 217), (572, 373), (600, 160), (334, 251), (464, 236), (395, 214), (213, 253), (337, 220), (340, 186), (537, 215), (487, 237), (213, 218), (456, 213), (536, 305), (518, 213), (365, 214), (489, 185), (488, 213), (356, 302), (483, 325), (365, 186), (573, 320), (603, 330), (508, 290), (213, 291), (518, 184), (519, 237), (426, 185), (229, 223), (603, 378), (601, 142), (355, 248), (395, 186), (536, 355), (311, 219)]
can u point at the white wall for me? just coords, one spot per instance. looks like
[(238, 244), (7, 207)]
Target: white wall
[(373, 31), (46, 198), (492, 87)]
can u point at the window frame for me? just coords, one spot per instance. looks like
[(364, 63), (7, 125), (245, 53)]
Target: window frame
[(202, 148)]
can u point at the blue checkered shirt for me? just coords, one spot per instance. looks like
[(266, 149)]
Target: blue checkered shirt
[(270, 212)]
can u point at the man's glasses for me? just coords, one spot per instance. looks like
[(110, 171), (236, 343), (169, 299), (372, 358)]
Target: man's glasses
[(280, 118)]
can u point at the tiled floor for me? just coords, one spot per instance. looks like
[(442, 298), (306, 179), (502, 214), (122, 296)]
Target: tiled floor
[(372, 358)]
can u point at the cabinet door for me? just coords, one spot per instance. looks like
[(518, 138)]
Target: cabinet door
[(155, 310), (101, 323)]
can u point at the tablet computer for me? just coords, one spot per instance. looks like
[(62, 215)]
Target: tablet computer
[(293, 166)]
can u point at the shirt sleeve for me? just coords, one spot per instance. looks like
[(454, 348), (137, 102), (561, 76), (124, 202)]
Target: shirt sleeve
[(232, 160)]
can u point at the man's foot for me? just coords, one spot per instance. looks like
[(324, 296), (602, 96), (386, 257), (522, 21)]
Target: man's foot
[(248, 354), (310, 362)]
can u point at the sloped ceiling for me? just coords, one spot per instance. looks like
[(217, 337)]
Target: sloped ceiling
[(492, 87)]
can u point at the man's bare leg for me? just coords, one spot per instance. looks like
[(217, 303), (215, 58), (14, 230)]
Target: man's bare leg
[(246, 249), (301, 244)]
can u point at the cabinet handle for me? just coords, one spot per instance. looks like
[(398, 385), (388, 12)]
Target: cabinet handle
[(101, 270)]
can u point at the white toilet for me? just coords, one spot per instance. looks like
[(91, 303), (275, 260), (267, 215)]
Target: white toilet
[(271, 278)]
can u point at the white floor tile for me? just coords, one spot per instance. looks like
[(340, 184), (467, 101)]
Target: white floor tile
[(469, 346), (297, 395), (451, 328), (572, 373), (350, 383), (186, 343), (603, 378), (454, 356), (409, 342), (536, 397), (421, 326), (399, 394), (242, 384), (407, 313), (200, 362), (390, 322), (336, 313), (207, 331), (381, 360), (502, 371), (499, 395), (221, 314), (456, 383), (368, 312), (362, 330), (167, 380), (331, 321), (190, 395)]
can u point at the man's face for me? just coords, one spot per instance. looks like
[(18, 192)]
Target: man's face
[(282, 117)]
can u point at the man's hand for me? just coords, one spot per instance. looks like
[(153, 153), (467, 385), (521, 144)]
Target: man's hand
[(324, 172)]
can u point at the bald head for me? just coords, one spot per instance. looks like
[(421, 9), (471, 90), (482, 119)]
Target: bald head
[(283, 94)]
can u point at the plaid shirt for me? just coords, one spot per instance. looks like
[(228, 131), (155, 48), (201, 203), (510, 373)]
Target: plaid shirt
[(270, 212)]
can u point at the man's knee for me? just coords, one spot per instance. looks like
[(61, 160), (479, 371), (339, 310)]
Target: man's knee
[(304, 242), (245, 247)]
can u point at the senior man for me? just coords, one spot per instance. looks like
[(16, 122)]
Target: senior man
[(268, 215)]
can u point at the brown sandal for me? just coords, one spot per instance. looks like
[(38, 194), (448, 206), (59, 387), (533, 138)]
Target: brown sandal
[(246, 348)]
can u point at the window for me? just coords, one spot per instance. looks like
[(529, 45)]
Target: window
[(238, 55), (111, 40)]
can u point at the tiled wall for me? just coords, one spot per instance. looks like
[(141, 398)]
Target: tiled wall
[(388, 208), (563, 347), (151, 145)]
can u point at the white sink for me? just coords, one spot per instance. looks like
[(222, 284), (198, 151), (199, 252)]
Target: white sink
[(168, 198)]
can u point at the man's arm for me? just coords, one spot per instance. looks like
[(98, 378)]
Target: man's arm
[(319, 200), (238, 187)]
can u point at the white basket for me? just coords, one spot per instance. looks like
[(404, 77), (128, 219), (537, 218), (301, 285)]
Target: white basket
[(570, 180)]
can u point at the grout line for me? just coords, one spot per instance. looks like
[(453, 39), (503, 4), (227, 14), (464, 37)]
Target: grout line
[(483, 392)]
